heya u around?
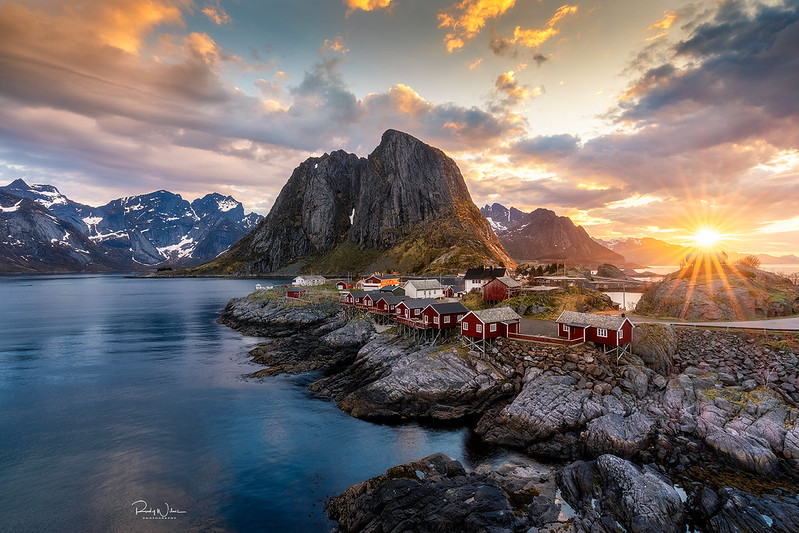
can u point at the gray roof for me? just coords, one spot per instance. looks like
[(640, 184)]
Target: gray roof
[(612, 322), (374, 295), (424, 284), (449, 308), (391, 299), (357, 294), (311, 277), (498, 314), (418, 303), (484, 273), (509, 282)]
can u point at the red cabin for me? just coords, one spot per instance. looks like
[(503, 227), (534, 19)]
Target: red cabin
[(499, 289), (343, 286), (490, 323), (295, 293), (411, 308), (370, 299), (354, 298), (443, 315), (387, 304), (610, 330), (449, 291)]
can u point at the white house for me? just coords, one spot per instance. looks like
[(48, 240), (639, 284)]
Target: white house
[(307, 281), (475, 278), (424, 288)]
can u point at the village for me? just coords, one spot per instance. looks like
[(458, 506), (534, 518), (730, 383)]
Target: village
[(429, 311)]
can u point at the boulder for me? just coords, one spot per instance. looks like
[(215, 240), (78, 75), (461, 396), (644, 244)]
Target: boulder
[(656, 345), (747, 452), (547, 406), (619, 435), (742, 511), (612, 490)]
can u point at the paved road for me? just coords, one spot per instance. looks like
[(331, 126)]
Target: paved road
[(782, 324)]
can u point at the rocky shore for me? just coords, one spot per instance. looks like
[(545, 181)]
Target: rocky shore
[(714, 412)]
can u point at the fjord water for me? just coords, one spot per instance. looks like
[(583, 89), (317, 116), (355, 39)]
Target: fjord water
[(116, 390)]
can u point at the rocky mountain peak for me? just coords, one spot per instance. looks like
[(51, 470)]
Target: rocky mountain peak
[(405, 202)]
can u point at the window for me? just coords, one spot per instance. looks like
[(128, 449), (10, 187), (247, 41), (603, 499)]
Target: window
[(566, 329), (435, 320), (621, 334), (478, 328), (407, 313), (446, 319), (465, 326), (601, 332), (492, 328)]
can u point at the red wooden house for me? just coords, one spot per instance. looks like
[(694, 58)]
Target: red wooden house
[(449, 291), (376, 281), (387, 304), (353, 298), (490, 323), (343, 286), (295, 293), (443, 315), (411, 308), (370, 299), (502, 288), (608, 330)]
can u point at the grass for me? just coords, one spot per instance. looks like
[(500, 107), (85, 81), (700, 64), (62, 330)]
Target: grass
[(570, 299)]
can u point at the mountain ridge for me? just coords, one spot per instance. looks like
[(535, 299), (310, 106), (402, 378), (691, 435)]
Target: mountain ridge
[(129, 233), (403, 207)]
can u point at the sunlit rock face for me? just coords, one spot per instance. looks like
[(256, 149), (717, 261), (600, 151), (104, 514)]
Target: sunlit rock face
[(404, 207)]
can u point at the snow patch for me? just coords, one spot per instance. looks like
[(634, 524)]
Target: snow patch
[(52, 196), (137, 207), (227, 204), (10, 209), (112, 235), (352, 216), (180, 250), (495, 225)]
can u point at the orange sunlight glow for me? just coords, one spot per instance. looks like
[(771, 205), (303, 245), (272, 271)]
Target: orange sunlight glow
[(707, 238)]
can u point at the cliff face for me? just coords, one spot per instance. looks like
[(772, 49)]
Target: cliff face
[(404, 207), (543, 235)]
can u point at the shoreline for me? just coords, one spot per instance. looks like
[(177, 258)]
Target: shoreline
[(623, 415)]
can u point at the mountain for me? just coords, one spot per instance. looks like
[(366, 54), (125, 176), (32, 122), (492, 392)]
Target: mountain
[(647, 251), (500, 217), (34, 240), (404, 207), (160, 228), (544, 236)]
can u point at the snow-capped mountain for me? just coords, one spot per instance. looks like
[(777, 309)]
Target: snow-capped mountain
[(160, 228), (500, 217)]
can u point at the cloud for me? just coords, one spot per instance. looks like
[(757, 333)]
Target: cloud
[(365, 5), (509, 92), (545, 148), (336, 45), (216, 13), (467, 18), (531, 38)]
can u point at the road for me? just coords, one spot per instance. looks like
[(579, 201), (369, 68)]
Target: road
[(781, 324)]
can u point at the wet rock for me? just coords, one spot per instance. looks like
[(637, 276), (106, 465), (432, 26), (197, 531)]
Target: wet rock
[(741, 511), (611, 490), (445, 498)]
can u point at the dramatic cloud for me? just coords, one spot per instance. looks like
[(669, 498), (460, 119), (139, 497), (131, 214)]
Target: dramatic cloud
[(710, 124), (508, 92), (531, 38), (467, 18)]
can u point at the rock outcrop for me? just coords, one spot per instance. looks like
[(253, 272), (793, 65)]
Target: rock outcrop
[(709, 291), (405, 207)]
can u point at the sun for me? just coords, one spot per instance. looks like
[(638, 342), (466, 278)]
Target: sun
[(706, 238)]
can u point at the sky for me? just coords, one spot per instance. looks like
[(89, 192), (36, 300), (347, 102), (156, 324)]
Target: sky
[(649, 118)]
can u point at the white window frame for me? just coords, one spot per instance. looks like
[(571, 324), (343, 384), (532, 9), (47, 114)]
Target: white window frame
[(446, 319), (435, 320), (478, 328), (465, 326), (602, 332), (492, 328), (565, 329)]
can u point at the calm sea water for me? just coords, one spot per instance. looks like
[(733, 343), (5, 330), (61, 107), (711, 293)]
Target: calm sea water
[(115, 391)]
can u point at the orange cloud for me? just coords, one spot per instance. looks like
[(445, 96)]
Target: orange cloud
[(216, 13), (470, 20), (336, 45), (124, 24), (665, 23), (535, 38), (365, 5)]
